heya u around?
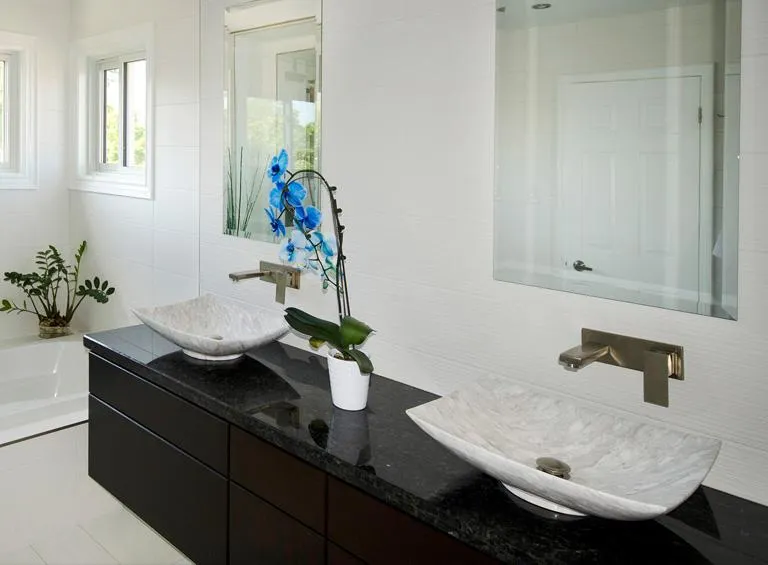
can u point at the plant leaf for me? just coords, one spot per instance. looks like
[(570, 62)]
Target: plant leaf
[(353, 331), (363, 361), (327, 331)]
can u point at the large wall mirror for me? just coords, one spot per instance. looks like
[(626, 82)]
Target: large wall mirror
[(272, 102), (617, 148)]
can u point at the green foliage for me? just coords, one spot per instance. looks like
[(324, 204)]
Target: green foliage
[(42, 288), (343, 337)]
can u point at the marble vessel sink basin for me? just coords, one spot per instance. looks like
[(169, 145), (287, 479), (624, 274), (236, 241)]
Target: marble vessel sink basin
[(213, 328), (619, 468)]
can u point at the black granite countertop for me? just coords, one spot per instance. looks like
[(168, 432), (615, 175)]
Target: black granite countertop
[(281, 394)]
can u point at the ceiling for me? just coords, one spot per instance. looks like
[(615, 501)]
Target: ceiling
[(519, 14)]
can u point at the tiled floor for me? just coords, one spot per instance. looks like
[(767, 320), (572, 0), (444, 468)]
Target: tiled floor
[(52, 512)]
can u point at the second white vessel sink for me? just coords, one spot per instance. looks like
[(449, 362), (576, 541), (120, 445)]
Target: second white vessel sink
[(212, 328), (614, 467)]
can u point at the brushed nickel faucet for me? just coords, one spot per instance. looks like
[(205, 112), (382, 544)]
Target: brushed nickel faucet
[(280, 275), (658, 361)]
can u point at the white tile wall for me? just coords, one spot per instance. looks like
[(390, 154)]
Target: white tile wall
[(32, 219), (409, 141), (148, 248)]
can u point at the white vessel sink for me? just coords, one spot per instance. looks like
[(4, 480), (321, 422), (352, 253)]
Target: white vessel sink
[(619, 468), (213, 328)]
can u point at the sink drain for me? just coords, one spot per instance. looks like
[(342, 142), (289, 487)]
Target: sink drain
[(552, 466), (216, 337)]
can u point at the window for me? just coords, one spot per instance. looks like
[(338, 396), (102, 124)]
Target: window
[(18, 118), (113, 113), (8, 112), (3, 109), (122, 114)]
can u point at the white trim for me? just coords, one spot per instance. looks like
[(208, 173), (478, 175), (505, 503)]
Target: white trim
[(85, 173), (22, 170), (706, 161)]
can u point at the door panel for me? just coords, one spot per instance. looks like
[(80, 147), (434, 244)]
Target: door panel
[(629, 179)]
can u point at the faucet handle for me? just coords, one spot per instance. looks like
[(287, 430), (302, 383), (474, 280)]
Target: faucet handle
[(659, 367)]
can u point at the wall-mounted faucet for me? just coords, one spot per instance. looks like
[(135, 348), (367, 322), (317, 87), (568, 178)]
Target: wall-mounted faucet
[(280, 275), (659, 362)]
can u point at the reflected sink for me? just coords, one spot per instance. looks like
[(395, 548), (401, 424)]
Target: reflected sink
[(212, 328), (619, 468)]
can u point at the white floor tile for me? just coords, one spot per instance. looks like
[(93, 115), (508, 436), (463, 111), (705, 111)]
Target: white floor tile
[(73, 547), (131, 541), (26, 556)]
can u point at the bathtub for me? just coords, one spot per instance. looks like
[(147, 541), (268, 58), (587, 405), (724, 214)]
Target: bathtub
[(43, 386)]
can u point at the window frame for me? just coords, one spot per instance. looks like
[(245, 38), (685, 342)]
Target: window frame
[(18, 171), (87, 172), (97, 142)]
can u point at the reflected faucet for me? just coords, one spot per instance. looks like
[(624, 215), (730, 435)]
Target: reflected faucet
[(658, 362)]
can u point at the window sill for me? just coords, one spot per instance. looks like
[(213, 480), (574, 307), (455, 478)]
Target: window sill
[(14, 180), (116, 184)]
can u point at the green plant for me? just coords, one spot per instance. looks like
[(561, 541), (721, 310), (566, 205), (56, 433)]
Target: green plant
[(43, 287), (342, 337), (241, 196)]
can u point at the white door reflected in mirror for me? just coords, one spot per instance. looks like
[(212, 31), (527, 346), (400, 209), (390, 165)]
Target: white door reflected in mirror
[(617, 150)]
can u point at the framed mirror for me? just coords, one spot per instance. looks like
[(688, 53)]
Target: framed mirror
[(617, 148), (272, 98)]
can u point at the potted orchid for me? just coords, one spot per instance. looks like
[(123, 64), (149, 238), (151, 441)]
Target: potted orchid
[(320, 252)]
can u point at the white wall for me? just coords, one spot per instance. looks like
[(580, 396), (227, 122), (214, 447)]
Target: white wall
[(30, 220), (148, 248), (410, 144)]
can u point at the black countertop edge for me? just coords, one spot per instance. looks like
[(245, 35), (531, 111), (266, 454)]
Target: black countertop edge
[(471, 506)]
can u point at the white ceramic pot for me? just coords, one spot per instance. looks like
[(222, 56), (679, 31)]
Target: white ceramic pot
[(349, 387)]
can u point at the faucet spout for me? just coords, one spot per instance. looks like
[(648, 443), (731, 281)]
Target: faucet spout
[(245, 275), (582, 355)]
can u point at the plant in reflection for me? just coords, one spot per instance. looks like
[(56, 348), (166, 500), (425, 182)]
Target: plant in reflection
[(241, 195), (314, 251)]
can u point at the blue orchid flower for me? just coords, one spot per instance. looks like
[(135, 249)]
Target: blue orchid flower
[(308, 218), (277, 225), (294, 249), (295, 194), (327, 243), (276, 196), (278, 166)]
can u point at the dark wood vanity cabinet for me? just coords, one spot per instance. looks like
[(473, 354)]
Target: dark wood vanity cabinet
[(223, 496), (178, 496)]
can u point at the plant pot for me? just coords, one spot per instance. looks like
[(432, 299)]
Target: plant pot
[(48, 332), (349, 387)]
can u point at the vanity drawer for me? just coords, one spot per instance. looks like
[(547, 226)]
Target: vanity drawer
[(279, 478), (337, 556), (184, 500), (190, 428), (260, 534), (378, 533)]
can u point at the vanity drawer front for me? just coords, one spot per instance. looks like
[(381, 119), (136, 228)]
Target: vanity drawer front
[(190, 428), (260, 534), (279, 478), (185, 501), (337, 556), (380, 534)]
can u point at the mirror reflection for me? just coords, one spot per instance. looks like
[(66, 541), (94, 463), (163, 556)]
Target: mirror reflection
[(272, 102), (617, 146)]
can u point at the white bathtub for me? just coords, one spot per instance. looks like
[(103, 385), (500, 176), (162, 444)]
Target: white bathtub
[(43, 386)]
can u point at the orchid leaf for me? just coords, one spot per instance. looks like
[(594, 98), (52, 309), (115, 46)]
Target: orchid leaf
[(353, 331), (363, 361)]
